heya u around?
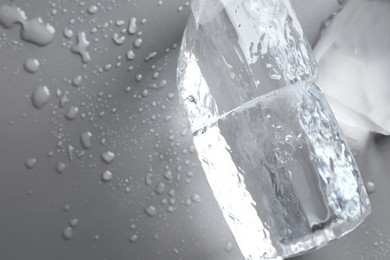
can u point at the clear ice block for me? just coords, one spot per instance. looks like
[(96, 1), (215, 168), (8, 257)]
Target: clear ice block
[(272, 151)]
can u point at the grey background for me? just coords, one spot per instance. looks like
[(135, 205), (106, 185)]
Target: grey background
[(32, 215)]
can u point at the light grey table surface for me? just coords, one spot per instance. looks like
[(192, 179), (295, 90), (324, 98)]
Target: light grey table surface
[(146, 132)]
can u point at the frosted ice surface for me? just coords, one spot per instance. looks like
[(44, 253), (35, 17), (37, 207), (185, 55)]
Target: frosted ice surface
[(353, 55)]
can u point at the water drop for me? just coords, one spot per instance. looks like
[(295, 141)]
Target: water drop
[(60, 168), (64, 99), (229, 247), (370, 186), (31, 65), (160, 2), (138, 42), (106, 176), (130, 55), (168, 175), (118, 39), (73, 222), (150, 211), (81, 47), (108, 157), (196, 198), (72, 113), (160, 188), (66, 207), (70, 153), (10, 15), (86, 140), (150, 56), (40, 96), (30, 163), (145, 93), (148, 179), (92, 9), (37, 32), (67, 233), (68, 33), (180, 8), (139, 77), (133, 26), (76, 82)]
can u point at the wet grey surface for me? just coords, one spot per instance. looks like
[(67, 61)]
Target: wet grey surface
[(146, 131)]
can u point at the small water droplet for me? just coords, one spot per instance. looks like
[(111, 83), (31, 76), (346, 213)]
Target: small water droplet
[(118, 39), (106, 176), (108, 157), (196, 198), (133, 26), (148, 179), (180, 8), (168, 175), (67, 233), (76, 82), (229, 247), (139, 77), (31, 65), (130, 55), (150, 56), (70, 153), (73, 222), (40, 96), (370, 187), (30, 163), (176, 251), (160, 188), (72, 113), (60, 168), (133, 238), (138, 42), (86, 140), (68, 33), (150, 211), (66, 207), (92, 9)]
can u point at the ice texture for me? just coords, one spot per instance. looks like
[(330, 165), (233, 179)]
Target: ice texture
[(353, 54), (272, 151)]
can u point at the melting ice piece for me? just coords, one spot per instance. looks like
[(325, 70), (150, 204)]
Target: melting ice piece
[(272, 151), (353, 56)]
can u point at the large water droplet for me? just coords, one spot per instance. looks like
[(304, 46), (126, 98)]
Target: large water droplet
[(9, 15), (138, 42), (92, 9), (31, 65), (37, 32), (81, 47), (76, 82), (86, 140), (40, 96), (118, 39), (130, 55)]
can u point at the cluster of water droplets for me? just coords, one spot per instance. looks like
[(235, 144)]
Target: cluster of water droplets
[(85, 97)]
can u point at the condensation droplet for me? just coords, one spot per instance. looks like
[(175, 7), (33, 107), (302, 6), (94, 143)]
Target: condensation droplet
[(160, 188), (106, 176), (31, 65), (150, 56), (36, 31), (229, 247), (40, 96), (30, 163)]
